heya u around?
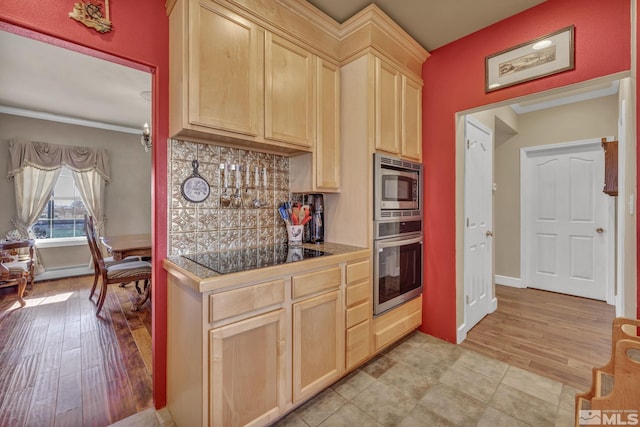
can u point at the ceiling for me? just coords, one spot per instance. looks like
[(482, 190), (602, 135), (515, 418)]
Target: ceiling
[(48, 82), (432, 23), (40, 80)]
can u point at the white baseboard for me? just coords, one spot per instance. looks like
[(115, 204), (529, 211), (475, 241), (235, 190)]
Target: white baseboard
[(494, 305), (60, 273), (461, 334), (514, 282)]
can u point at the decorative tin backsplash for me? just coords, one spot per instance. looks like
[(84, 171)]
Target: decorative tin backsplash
[(246, 217)]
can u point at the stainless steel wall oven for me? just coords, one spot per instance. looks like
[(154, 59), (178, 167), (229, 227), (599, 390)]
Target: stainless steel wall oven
[(397, 264)]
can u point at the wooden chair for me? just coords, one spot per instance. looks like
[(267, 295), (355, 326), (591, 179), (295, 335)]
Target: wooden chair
[(122, 272), (108, 261), (20, 260), (14, 273), (615, 385)]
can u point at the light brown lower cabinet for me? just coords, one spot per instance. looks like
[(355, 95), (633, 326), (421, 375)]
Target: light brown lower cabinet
[(357, 344), (358, 313), (318, 344), (248, 354), (248, 379), (398, 322)]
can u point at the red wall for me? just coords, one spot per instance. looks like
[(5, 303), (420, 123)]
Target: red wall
[(454, 81), (140, 38)]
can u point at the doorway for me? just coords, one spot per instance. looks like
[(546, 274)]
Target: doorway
[(75, 114), (575, 109)]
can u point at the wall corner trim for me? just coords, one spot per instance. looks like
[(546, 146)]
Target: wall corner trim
[(461, 334)]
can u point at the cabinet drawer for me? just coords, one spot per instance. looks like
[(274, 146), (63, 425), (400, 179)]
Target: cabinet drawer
[(403, 320), (357, 345), (310, 283), (357, 314), (357, 271), (358, 293), (244, 300)]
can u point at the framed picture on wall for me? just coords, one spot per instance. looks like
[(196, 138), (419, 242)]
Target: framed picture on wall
[(537, 58)]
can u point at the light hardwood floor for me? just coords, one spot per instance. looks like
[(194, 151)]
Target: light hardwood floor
[(558, 336), (62, 365)]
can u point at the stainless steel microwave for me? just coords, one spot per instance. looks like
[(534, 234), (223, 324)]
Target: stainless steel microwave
[(397, 188)]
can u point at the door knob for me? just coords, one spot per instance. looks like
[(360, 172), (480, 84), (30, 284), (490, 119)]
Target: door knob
[(489, 233), (599, 230)]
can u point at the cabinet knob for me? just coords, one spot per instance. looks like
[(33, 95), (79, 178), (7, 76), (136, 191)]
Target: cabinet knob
[(489, 233), (599, 230)]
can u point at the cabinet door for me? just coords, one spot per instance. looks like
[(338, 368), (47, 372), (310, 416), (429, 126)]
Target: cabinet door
[(411, 118), (248, 379), (387, 108), (318, 343), (327, 150), (290, 96), (225, 70), (357, 345)]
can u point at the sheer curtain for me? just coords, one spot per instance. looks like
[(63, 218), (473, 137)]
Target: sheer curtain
[(35, 166), (91, 186), (33, 189)]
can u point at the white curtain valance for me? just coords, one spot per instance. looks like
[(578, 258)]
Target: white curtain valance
[(45, 156)]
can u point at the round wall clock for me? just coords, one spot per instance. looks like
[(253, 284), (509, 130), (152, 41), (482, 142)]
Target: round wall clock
[(195, 188)]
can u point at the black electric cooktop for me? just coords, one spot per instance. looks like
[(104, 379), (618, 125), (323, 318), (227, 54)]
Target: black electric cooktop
[(252, 258)]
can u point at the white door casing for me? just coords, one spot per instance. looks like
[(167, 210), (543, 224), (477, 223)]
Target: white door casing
[(478, 208), (619, 290), (565, 219)]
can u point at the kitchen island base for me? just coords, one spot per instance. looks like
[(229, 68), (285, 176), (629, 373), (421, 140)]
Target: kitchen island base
[(251, 352)]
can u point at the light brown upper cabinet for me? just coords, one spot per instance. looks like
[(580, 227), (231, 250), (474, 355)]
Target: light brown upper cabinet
[(387, 106), (398, 108), (327, 152), (290, 97), (216, 71), (411, 118), (234, 81), (319, 171)]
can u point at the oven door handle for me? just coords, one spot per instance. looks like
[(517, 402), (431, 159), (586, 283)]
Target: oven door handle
[(397, 241)]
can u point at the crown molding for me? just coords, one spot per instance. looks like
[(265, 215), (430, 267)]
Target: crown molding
[(373, 15), (66, 119)]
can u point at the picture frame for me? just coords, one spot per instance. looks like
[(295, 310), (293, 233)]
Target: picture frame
[(544, 56)]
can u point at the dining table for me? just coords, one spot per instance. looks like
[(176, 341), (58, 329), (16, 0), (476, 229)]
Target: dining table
[(121, 246)]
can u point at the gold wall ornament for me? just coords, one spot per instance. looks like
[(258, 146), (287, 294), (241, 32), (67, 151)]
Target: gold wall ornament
[(92, 15)]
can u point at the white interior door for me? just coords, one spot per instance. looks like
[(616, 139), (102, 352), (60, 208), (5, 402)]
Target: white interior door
[(478, 262), (566, 220)]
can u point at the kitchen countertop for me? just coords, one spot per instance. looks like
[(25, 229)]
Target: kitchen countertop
[(203, 279)]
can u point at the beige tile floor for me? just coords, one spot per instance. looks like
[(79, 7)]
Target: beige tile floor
[(427, 382)]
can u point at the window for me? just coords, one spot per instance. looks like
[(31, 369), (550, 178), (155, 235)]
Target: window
[(64, 215)]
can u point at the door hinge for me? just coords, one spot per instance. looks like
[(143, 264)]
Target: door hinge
[(467, 144), (467, 222), (467, 299)]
